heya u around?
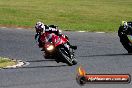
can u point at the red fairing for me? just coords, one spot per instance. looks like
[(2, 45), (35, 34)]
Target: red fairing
[(56, 40)]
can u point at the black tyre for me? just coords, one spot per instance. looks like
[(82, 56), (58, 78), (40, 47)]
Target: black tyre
[(74, 62), (124, 39), (65, 56), (125, 42)]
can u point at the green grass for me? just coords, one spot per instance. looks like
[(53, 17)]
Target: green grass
[(88, 15), (4, 62)]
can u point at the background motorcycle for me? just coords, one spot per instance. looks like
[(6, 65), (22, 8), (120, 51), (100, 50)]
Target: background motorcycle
[(125, 35), (57, 47)]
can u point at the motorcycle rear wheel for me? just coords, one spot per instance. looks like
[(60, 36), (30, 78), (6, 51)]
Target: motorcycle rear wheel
[(125, 43)]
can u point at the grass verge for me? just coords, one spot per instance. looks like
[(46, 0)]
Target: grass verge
[(85, 15), (4, 62)]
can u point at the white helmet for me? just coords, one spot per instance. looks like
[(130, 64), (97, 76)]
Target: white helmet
[(39, 27)]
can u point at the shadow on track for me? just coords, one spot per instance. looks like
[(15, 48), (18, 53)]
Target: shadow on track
[(44, 66), (39, 65), (40, 60), (47, 66), (124, 54), (29, 67)]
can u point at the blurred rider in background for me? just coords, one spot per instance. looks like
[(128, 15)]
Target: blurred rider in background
[(125, 33), (125, 27)]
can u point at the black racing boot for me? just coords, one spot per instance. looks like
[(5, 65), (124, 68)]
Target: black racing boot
[(71, 46), (43, 49)]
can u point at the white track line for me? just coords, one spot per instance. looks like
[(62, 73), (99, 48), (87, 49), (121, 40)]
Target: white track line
[(99, 32), (61, 30), (81, 31)]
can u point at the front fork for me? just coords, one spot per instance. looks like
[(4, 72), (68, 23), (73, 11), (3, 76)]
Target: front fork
[(69, 50)]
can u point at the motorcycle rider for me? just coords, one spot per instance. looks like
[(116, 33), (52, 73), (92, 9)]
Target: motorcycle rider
[(125, 27), (124, 30), (41, 29)]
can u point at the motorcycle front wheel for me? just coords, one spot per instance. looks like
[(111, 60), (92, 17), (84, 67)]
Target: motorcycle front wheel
[(65, 56)]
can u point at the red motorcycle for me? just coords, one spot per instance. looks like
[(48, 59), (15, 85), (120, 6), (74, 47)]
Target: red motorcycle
[(58, 48)]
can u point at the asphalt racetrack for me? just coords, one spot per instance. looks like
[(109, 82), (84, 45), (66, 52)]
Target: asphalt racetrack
[(97, 53)]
